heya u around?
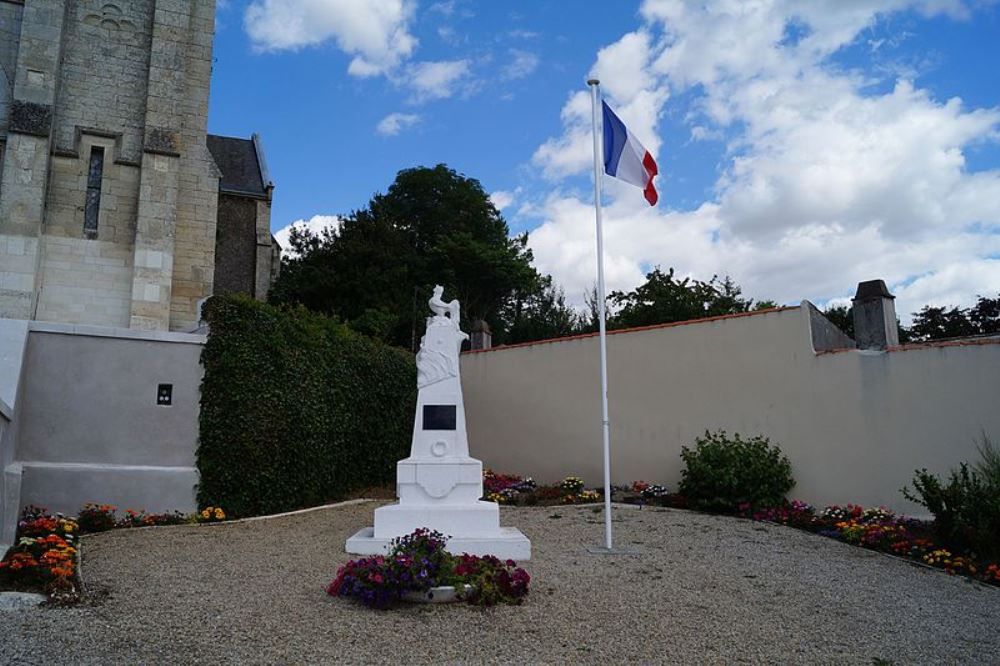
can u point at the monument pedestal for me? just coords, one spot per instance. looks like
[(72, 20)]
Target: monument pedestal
[(508, 544), (439, 485)]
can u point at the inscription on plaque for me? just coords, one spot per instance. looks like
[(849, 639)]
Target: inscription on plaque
[(439, 417)]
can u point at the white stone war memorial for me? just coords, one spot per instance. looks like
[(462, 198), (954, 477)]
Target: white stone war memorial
[(439, 485)]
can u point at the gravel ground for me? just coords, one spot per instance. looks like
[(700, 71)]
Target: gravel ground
[(702, 589)]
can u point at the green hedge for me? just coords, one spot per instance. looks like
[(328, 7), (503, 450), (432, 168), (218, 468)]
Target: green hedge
[(296, 409)]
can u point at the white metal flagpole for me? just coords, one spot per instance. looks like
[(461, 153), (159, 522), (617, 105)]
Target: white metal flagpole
[(605, 424)]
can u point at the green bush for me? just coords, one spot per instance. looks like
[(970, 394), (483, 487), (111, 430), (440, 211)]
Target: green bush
[(296, 409), (724, 474), (966, 509)]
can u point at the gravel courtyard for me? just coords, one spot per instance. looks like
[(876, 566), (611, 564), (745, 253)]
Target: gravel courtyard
[(702, 589)]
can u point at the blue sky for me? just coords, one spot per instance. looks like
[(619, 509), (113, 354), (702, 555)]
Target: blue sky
[(803, 146)]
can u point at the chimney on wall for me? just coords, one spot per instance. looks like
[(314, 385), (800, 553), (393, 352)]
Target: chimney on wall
[(875, 325), (481, 337)]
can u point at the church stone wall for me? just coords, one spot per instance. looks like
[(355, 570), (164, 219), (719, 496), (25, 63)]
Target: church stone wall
[(131, 78), (88, 281), (102, 82), (197, 208), (10, 36)]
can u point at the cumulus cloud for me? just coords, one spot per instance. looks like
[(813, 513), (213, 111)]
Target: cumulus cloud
[(636, 94), (522, 64), (376, 34), (394, 123), (436, 80), (316, 224), (503, 198), (824, 183)]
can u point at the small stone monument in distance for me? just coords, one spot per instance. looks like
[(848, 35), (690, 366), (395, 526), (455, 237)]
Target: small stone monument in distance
[(439, 485)]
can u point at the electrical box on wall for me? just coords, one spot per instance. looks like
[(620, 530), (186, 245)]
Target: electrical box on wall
[(165, 395)]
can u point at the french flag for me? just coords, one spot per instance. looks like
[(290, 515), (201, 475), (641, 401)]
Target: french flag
[(625, 158)]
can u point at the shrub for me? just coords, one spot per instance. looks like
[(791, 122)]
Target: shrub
[(572, 485), (723, 473), (966, 509), (296, 409)]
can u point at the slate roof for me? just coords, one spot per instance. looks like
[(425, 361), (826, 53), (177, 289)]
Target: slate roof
[(239, 163)]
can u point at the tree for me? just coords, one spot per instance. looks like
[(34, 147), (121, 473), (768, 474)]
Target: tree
[(842, 317), (938, 323), (542, 314), (376, 272), (985, 315), (665, 299)]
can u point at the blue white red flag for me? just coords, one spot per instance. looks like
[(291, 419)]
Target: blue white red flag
[(625, 158)]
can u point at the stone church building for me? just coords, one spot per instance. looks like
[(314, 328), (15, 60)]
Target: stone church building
[(116, 207)]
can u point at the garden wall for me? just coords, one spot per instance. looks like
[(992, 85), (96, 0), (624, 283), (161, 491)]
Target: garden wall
[(88, 424), (855, 424)]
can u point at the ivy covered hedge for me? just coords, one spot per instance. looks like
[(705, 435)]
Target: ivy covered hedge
[(296, 409)]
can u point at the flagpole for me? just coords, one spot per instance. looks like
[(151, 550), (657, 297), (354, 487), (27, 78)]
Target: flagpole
[(605, 424)]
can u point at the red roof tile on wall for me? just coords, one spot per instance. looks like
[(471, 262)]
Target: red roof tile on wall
[(636, 329)]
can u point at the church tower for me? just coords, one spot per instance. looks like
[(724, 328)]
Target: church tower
[(108, 191)]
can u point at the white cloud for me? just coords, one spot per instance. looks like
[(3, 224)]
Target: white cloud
[(824, 183), (394, 123), (376, 34), (522, 64), (634, 93), (316, 224), (503, 198), (436, 80)]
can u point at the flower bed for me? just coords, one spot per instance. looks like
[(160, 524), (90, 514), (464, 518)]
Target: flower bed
[(514, 490), (417, 563), (875, 528), (43, 558)]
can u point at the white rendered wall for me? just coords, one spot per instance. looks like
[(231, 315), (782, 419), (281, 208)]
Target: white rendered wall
[(89, 427), (854, 424)]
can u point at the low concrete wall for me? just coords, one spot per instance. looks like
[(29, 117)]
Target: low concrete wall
[(90, 428), (854, 424), (13, 341)]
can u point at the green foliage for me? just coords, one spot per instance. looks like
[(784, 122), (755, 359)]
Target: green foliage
[(726, 473), (296, 408), (966, 509), (376, 272), (541, 314), (988, 466), (842, 317), (939, 323), (664, 299)]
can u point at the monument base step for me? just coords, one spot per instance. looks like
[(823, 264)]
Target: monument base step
[(508, 544), (468, 519)]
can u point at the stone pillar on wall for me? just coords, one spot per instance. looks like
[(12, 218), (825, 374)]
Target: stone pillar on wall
[(26, 156), (161, 165), (875, 326), (481, 337)]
